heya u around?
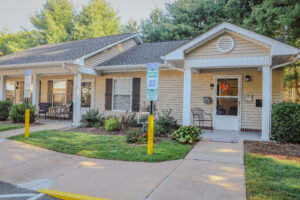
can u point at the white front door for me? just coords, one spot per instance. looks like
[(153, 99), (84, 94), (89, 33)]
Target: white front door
[(87, 95), (227, 103)]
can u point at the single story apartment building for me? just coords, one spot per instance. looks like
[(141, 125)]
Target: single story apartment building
[(230, 72)]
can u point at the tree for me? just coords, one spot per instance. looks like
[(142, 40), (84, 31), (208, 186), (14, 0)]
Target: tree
[(55, 21), (14, 42), (277, 19), (190, 18), (97, 18), (131, 27)]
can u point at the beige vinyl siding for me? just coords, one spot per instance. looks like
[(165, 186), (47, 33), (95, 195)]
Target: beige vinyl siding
[(242, 47), (251, 115), (170, 92), (109, 53)]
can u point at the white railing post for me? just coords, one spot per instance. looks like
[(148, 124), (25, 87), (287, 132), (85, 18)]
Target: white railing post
[(3, 87), (77, 100), (187, 90), (266, 102), (36, 89)]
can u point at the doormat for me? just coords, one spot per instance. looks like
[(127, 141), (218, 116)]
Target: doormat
[(224, 140)]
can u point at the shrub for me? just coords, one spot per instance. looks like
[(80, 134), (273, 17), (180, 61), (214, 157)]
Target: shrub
[(187, 134), (128, 120), (4, 110), (286, 122), (113, 124), (133, 135), (93, 118), (17, 113), (166, 124)]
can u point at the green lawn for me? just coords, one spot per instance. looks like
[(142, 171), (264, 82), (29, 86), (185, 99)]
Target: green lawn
[(5, 127), (271, 178), (104, 146)]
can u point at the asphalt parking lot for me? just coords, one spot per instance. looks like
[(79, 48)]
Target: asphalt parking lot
[(13, 192)]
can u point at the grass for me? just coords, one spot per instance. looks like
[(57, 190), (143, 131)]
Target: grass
[(272, 178), (6, 127), (104, 146)]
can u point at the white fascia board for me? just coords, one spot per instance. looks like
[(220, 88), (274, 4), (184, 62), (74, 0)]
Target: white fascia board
[(122, 68), (246, 61), (88, 70), (136, 36), (278, 48), (35, 65)]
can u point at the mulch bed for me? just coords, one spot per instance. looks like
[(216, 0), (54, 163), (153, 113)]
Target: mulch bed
[(21, 124), (272, 149), (101, 131)]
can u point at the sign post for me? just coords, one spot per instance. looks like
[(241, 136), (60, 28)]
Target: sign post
[(27, 93), (151, 95)]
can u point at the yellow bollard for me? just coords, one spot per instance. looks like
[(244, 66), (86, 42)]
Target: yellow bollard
[(27, 120), (150, 134)]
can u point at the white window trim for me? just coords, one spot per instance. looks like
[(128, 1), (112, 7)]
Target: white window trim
[(91, 80), (113, 93), (66, 80)]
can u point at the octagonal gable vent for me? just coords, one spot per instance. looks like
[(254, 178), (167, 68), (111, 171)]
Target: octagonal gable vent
[(225, 44)]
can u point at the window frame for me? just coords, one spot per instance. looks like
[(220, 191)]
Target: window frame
[(113, 94), (66, 81)]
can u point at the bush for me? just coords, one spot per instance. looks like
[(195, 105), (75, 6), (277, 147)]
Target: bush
[(187, 134), (133, 135), (166, 124), (17, 113), (128, 120), (93, 118), (286, 122), (4, 110), (113, 124)]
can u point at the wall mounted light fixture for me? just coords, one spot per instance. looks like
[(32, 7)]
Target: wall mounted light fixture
[(248, 78)]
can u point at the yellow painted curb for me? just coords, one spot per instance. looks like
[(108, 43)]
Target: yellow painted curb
[(67, 196)]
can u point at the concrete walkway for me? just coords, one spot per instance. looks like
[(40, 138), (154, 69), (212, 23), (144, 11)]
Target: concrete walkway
[(212, 170), (47, 125)]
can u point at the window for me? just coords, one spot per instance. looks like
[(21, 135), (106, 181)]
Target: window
[(59, 92), (122, 94), (86, 94)]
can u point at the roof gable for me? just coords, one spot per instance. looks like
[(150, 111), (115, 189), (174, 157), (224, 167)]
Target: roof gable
[(277, 48), (61, 52), (242, 47)]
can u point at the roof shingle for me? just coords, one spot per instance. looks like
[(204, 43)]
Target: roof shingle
[(65, 51), (144, 53)]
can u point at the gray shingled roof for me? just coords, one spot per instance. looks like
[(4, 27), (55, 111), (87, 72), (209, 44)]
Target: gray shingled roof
[(65, 51), (144, 53)]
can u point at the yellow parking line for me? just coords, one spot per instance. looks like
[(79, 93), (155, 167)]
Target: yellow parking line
[(68, 196)]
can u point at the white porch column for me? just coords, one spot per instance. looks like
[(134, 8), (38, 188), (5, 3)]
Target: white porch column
[(36, 89), (187, 90), (77, 99), (266, 102), (2, 87)]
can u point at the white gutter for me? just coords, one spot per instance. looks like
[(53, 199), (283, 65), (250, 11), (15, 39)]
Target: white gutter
[(287, 63), (33, 64)]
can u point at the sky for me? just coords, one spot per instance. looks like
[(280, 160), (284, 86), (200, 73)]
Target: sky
[(14, 14)]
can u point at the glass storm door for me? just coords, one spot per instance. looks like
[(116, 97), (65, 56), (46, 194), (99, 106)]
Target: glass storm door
[(87, 88), (227, 103)]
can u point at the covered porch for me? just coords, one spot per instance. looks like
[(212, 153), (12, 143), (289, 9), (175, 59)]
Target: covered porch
[(234, 75), (65, 91)]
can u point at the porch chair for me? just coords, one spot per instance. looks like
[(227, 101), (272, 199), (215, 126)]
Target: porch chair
[(66, 111), (201, 117), (44, 109)]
